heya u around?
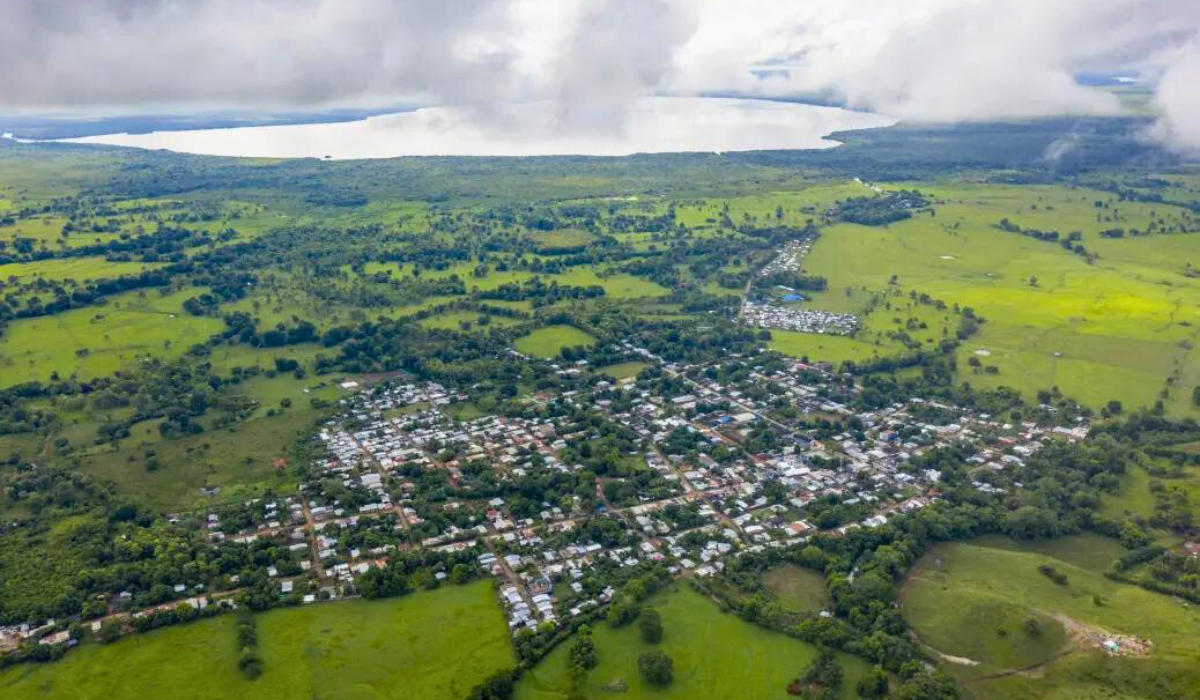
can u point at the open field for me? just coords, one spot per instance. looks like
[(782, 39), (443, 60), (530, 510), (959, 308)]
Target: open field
[(433, 646), (970, 601), (616, 285), (467, 320), (1112, 329), (78, 269), (625, 370), (549, 341), (717, 657), (239, 461), (803, 588), (96, 341)]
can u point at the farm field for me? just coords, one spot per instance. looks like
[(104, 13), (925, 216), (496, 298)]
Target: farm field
[(717, 656), (549, 341), (1113, 329), (434, 645), (96, 341), (956, 586)]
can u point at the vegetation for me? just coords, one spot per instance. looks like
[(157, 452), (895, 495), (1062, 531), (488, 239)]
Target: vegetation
[(714, 655), (435, 645), (175, 330)]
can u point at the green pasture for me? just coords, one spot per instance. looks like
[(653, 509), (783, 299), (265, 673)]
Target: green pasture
[(239, 461), (625, 370), (97, 340), (467, 320), (561, 238), (80, 269), (797, 586), (616, 285), (549, 341), (717, 657), (1114, 329), (434, 646), (971, 601)]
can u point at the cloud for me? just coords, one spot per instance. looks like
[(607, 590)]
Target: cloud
[(939, 60), (1177, 101), (79, 53), (920, 60)]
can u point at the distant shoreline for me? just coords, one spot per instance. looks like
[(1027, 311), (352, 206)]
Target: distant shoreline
[(646, 125)]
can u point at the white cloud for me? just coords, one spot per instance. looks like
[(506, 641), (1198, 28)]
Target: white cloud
[(916, 59), (1178, 100)]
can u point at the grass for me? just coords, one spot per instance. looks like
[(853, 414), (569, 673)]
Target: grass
[(96, 341), (467, 320), (803, 588), (717, 657), (433, 646), (549, 341), (561, 238), (1115, 329), (961, 594), (79, 269), (616, 285), (240, 461), (817, 348), (1087, 551), (1133, 499), (624, 370)]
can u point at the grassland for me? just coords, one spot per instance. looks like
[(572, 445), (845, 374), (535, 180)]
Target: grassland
[(232, 463), (90, 342), (1115, 328), (971, 600), (433, 646), (467, 320), (717, 657), (616, 285), (797, 586), (80, 269), (625, 370), (549, 341)]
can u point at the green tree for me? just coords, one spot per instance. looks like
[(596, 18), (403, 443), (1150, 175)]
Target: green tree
[(657, 668), (873, 684), (650, 624), (498, 686)]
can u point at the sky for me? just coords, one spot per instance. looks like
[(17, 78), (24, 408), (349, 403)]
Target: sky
[(917, 60)]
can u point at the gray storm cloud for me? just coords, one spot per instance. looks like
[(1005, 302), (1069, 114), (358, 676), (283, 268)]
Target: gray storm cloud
[(920, 60)]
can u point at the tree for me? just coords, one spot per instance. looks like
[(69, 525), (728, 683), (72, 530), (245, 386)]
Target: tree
[(650, 624), (1033, 626), (822, 680), (498, 686), (583, 651), (656, 668), (873, 684)]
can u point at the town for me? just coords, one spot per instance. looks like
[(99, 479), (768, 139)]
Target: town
[(563, 500)]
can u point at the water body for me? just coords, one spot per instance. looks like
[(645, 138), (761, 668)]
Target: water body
[(649, 125)]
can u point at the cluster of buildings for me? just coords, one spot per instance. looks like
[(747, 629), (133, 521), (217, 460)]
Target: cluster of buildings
[(789, 318), (790, 259), (400, 470)]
